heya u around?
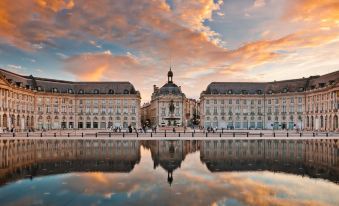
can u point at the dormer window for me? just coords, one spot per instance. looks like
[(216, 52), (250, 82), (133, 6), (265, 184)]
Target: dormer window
[(126, 91), (331, 82), (259, 91), (285, 90), (81, 91), (54, 90), (39, 88), (111, 91), (301, 89), (19, 84), (70, 91), (270, 91), (215, 91), (244, 92), (321, 84), (96, 91), (230, 91)]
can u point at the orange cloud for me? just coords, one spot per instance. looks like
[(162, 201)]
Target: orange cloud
[(156, 31)]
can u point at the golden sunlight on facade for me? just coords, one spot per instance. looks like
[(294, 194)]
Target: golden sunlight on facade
[(31, 103), (307, 103)]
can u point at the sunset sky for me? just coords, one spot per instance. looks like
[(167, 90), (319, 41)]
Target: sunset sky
[(206, 40)]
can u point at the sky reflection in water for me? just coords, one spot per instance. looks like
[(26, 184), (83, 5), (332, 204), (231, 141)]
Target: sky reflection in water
[(174, 173)]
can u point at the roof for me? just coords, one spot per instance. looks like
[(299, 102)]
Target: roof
[(61, 86), (168, 89), (292, 85)]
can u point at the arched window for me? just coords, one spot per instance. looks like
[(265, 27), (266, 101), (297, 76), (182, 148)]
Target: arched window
[(96, 91), (70, 91), (81, 91), (126, 91)]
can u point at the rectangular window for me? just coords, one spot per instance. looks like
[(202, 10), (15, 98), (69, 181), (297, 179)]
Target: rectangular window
[(300, 100)]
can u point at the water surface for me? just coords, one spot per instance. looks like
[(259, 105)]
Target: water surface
[(225, 172)]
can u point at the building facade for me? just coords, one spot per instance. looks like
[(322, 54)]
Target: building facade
[(306, 103), (167, 105), (28, 102)]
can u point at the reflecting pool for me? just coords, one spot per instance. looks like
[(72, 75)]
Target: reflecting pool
[(225, 172)]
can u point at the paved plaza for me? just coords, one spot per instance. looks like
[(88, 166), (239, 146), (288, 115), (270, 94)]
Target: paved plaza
[(170, 135)]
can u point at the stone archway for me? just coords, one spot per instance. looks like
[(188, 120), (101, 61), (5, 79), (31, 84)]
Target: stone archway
[(17, 124), (4, 120), (330, 123), (307, 122), (32, 122), (335, 122)]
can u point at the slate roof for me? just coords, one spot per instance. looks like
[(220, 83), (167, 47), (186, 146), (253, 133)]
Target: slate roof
[(50, 85), (292, 85)]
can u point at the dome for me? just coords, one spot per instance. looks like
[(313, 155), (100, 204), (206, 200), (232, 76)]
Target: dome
[(170, 88)]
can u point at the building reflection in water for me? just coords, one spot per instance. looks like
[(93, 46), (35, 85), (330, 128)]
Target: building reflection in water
[(170, 154), (314, 158), (31, 158)]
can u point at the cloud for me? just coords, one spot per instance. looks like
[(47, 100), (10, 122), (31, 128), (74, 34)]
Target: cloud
[(156, 31), (105, 66)]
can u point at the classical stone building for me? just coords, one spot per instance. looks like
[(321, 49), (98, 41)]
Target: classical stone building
[(306, 103), (167, 106), (28, 102)]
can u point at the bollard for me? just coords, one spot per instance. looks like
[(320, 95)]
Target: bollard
[(41, 134), (109, 134), (137, 134), (222, 130), (82, 134), (123, 134), (233, 134), (219, 134), (247, 134), (273, 134), (151, 134), (96, 134), (54, 134), (300, 134), (287, 134), (313, 134), (260, 134), (326, 134), (13, 134), (206, 134), (27, 134), (192, 134), (165, 133), (67, 134), (179, 134)]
